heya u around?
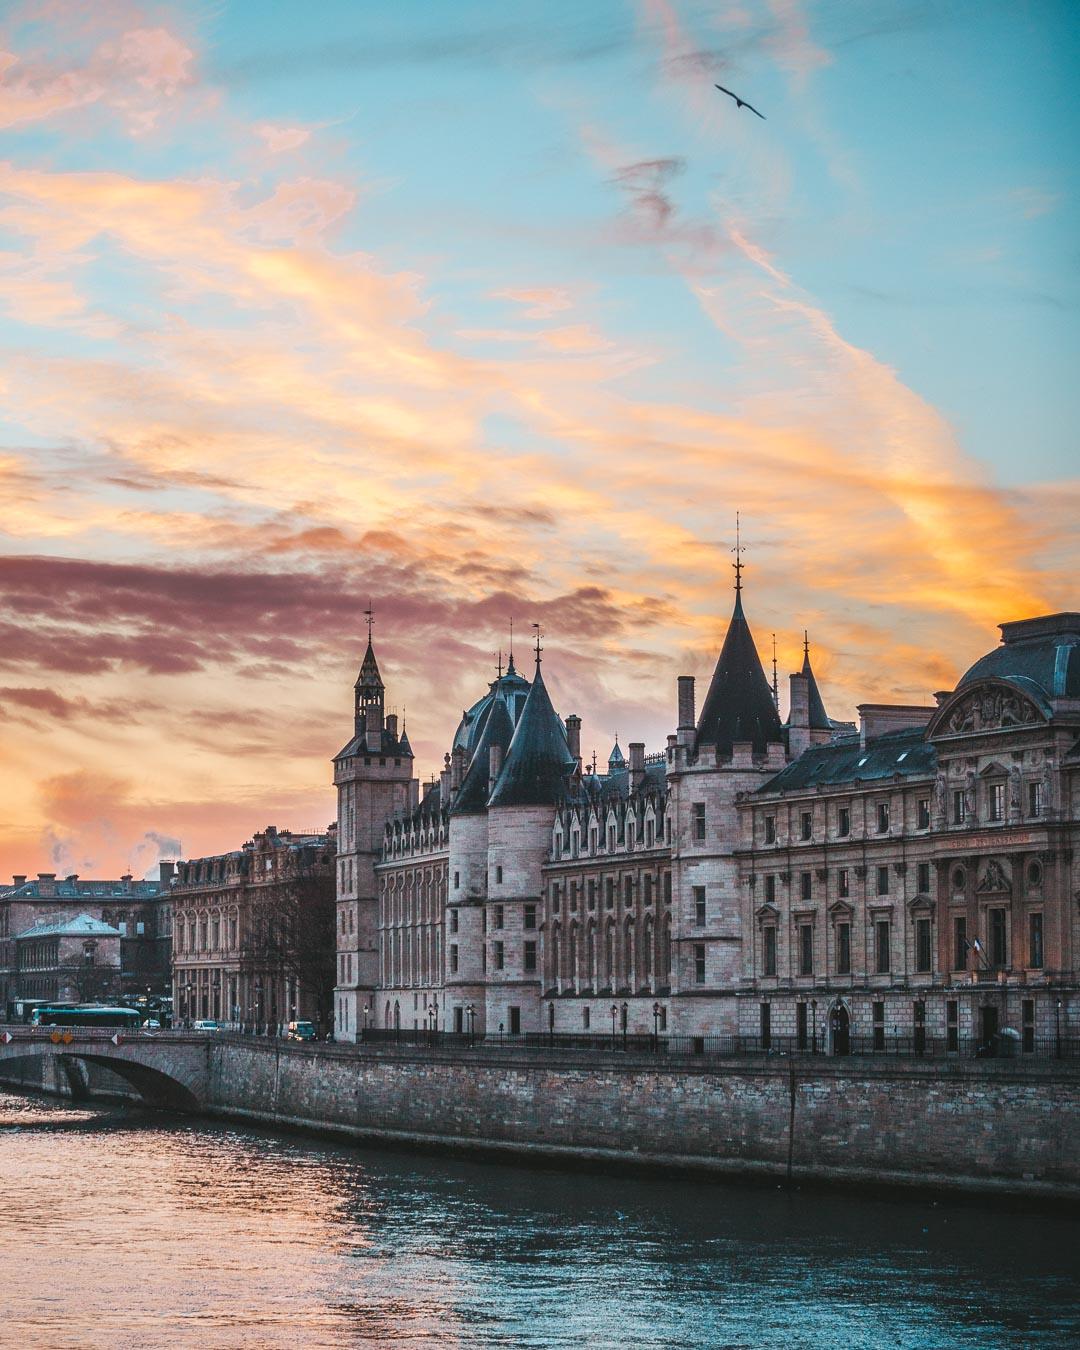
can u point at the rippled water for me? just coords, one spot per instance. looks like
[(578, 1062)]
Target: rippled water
[(119, 1228)]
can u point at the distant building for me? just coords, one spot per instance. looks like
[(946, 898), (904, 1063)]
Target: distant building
[(253, 935), (72, 960), (800, 883), (137, 913)]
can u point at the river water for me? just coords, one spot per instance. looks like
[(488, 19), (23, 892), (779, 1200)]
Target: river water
[(120, 1228)]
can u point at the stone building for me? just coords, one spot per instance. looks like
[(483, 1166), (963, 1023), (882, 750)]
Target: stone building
[(810, 882), (253, 932), (137, 913)]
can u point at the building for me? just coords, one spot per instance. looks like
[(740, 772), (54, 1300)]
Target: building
[(134, 956), (812, 882), (253, 932)]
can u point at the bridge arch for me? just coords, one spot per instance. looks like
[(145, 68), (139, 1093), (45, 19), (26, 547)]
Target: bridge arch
[(171, 1075)]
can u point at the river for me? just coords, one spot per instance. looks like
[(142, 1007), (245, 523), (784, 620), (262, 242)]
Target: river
[(125, 1228)]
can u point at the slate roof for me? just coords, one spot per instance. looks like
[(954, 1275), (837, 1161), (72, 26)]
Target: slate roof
[(538, 760), (1040, 656), (388, 746), (511, 687), (497, 729), (739, 705), (602, 788), (90, 890), (369, 676), (846, 761), (819, 718), (81, 926)]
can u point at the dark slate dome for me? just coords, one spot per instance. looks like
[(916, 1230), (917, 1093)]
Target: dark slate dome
[(538, 761), (1040, 656), (511, 688), (498, 730)]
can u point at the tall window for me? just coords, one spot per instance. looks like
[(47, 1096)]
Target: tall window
[(530, 958), (453, 921), (883, 817), (843, 883), (646, 886), (806, 825), (843, 949), (529, 917), (500, 955), (882, 954), (806, 885), (628, 890), (770, 829), (770, 889), (699, 963), (998, 944), (952, 1025), (996, 802), (699, 906), (883, 881), (1035, 799), (453, 958), (498, 920), (922, 878), (806, 949), (843, 822), (959, 807), (768, 941), (699, 821), (959, 954), (922, 813), (800, 1026), (922, 945), (1035, 941)]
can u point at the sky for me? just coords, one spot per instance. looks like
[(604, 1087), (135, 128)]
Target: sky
[(475, 312)]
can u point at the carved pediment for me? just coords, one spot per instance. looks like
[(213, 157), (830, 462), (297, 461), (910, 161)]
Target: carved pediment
[(767, 914), (840, 911), (921, 904), (994, 878), (987, 709)]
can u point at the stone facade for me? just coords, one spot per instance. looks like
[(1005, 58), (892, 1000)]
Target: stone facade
[(910, 880)]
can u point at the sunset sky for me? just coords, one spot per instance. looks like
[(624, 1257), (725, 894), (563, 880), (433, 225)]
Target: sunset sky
[(480, 310)]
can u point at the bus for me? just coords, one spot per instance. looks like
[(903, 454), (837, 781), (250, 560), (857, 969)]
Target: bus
[(85, 1015), (23, 1009)]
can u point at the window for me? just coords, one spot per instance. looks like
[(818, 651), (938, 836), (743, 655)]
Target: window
[(592, 894), (140, 929), (952, 1025), (922, 945), (806, 949), (573, 893), (883, 880), (959, 878), (879, 1026), (609, 892), (529, 917), (498, 875), (922, 813), (1035, 941), (457, 880), (556, 897), (667, 888), (882, 962), (530, 958), (843, 883), (806, 825), (770, 829), (1034, 875), (453, 958), (998, 952), (699, 906), (515, 1021), (766, 1026), (1035, 799), (768, 950), (699, 821), (499, 954), (800, 1026), (770, 889), (453, 921), (646, 884), (628, 890), (883, 817), (843, 822), (922, 878), (843, 949), (122, 926), (806, 885), (959, 807), (497, 917), (611, 838), (699, 963), (649, 828), (959, 956), (996, 801)]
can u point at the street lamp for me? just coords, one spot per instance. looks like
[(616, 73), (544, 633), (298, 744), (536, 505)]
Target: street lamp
[(258, 1005), (813, 1029), (656, 1026), (433, 1016), (614, 1014), (470, 1013), (187, 1001), (625, 1010)]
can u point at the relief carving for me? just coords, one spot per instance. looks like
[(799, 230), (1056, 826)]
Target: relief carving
[(989, 709), (994, 878)]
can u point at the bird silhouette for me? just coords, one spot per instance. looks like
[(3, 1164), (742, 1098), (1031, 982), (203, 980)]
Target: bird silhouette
[(741, 102)]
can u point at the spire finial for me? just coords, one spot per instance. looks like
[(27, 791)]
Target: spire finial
[(539, 649), (775, 686), (594, 761), (806, 643), (369, 614), (511, 641), (500, 663), (738, 550)]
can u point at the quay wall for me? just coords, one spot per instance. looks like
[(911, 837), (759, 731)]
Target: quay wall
[(981, 1126)]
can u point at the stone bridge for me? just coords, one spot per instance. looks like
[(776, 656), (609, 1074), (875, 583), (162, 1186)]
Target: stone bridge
[(166, 1068)]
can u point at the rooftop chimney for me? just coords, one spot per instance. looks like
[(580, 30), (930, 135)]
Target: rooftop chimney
[(637, 764), (391, 724), (495, 759), (166, 868), (799, 715), (687, 721), (19, 879), (573, 737)]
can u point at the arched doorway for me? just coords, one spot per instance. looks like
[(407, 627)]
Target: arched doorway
[(840, 1030)]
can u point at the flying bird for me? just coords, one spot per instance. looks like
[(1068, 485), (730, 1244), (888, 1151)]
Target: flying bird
[(740, 102)]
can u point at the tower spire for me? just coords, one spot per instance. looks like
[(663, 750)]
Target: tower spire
[(738, 550), (369, 614), (775, 685), (539, 649), (806, 644), (510, 662)]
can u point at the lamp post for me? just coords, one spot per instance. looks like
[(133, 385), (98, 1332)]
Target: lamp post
[(625, 1011), (433, 1016), (217, 995), (470, 1013), (656, 1026), (188, 987), (1057, 1030), (258, 1006), (813, 1028), (614, 1014)]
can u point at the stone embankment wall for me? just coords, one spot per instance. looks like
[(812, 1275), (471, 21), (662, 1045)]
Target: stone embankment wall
[(979, 1126)]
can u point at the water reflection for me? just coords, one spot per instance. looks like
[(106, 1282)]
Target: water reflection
[(122, 1228)]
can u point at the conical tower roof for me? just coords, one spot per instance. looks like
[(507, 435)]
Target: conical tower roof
[(404, 747), (616, 760), (498, 730), (538, 760), (819, 718), (739, 704), (369, 676)]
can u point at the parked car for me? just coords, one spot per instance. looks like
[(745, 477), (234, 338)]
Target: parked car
[(300, 1031), (206, 1024)]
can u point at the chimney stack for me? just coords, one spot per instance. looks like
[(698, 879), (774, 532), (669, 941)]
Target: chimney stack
[(391, 725), (687, 721), (457, 768), (166, 869), (799, 716), (444, 783), (573, 737), (19, 879), (637, 764)]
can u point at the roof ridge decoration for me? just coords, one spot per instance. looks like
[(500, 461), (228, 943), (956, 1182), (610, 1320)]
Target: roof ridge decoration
[(739, 704), (538, 760)]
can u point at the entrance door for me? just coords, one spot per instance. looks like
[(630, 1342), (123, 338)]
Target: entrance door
[(989, 1025), (840, 1024)]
